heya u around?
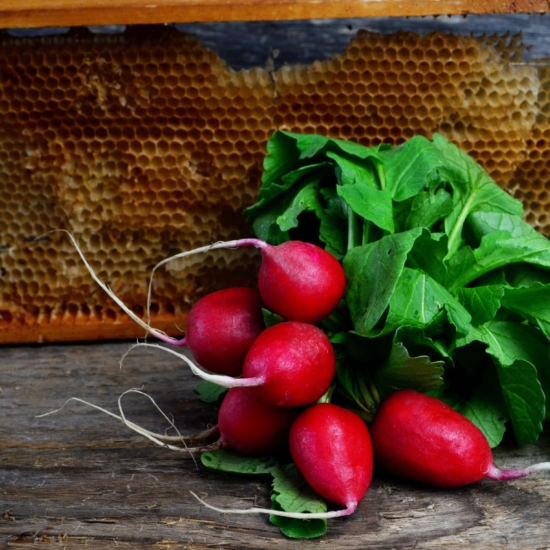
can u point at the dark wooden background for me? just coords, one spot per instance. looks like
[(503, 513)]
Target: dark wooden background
[(79, 477)]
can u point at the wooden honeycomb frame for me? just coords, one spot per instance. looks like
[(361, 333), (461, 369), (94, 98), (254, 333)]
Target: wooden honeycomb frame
[(40, 13), (146, 144)]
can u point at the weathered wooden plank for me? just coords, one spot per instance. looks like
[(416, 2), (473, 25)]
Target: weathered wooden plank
[(243, 44), (36, 13), (81, 478)]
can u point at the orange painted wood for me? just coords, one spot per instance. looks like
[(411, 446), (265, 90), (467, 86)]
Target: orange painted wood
[(39, 13), (73, 330)]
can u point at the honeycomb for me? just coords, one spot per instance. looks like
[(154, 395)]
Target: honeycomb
[(531, 181), (146, 144)]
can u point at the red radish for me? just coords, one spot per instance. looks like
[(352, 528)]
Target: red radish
[(245, 424), (290, 364), (419, 437), (295, 363), (249, 426), (221, 328), (299, 281), (332, 448)]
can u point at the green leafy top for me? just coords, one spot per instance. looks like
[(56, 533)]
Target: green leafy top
[(448, 289), (446, 282)]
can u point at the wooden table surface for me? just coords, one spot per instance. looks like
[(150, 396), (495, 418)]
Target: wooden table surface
[(80, 477)]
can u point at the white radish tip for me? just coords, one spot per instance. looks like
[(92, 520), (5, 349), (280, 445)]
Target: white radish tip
[(496, 474), (296, 515)]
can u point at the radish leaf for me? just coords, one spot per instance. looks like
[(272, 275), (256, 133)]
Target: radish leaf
[(291, 493), (373, 271), (210, 392), (401, 371), (271, 318), (524, 399), (375, 205), (417, 300), (226, 460), (473, 190), (486, 408), (428, 207), (482, 302), (409, 167)]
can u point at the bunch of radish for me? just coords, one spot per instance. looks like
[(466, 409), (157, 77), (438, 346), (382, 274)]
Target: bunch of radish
[(278, 375)]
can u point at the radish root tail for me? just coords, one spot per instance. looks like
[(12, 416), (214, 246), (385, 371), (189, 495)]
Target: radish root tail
[(497, 474), (296, 515), (162, 440), (148, 329)]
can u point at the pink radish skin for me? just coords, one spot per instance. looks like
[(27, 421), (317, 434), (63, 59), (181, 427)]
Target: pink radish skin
[(332, 448), (222, 326), (295, 363), (300, 281), (251, 427), (421, 438)]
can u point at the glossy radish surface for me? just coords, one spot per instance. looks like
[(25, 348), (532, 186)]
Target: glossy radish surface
[(300, 281), (293, 362), (421, 438), (221, 328), (332, 448), (251, 427)]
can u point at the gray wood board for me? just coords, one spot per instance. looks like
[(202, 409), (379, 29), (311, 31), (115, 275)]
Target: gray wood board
[(252, 43), (79, 477), (249, 44)]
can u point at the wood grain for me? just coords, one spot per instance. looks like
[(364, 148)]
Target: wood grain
[(38, 13), (80, 478)]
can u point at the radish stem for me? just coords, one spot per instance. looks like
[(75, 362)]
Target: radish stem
[(222, 244), (219, 379)]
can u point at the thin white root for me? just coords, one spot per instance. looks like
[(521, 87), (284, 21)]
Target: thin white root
[(220, 244), (540, 467), (214, 431), (162, 440), (220, 380), (157, 333), (296, 515)]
